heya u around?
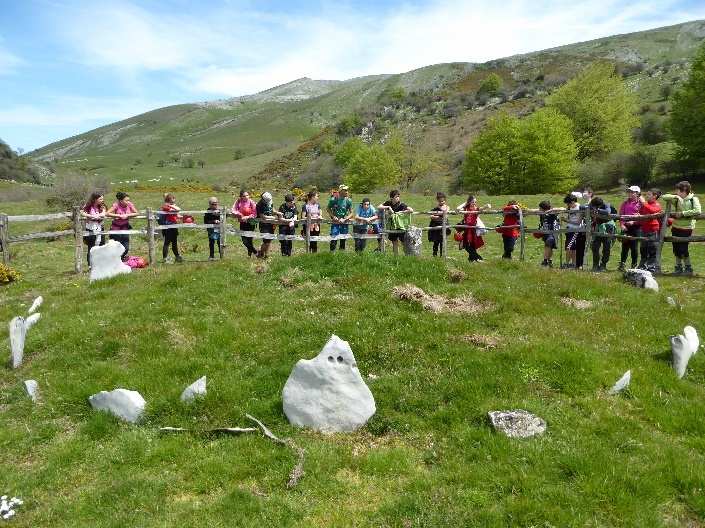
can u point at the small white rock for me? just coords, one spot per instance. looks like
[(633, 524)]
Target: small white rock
[(196, 389), (622, 383), (32, 388), (681, 354), (126, 404)]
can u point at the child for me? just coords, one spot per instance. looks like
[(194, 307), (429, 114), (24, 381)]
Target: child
[(245, 210), (364, 216), (171, 236), (650, 228), (603, 227), (575, 238), (435, 235), (471, 239), (312, 211), (213, 217), (340, 211), (288, 211), (395, 206), (548, 221), (266, 214), (509, 228), (94, 213), (121, 211), (685, 206), (629, 207)]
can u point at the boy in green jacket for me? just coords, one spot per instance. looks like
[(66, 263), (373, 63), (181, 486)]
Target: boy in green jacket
[(684, 206)]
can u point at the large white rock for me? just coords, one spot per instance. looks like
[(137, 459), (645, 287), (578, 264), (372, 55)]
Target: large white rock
[(35, 305), (105, 261), (32, 388), (126, 404), (691, 335), (196, 389), (681, 354), (641, 279), (327, 393), (18, 333)]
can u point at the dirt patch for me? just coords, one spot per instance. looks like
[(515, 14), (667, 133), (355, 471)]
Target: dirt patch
[(260, 267), (456, 275), (578, 304), (438, 303), (482, 341), (290, 277)]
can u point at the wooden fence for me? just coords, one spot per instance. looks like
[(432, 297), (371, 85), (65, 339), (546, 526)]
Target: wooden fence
[(152, 227)]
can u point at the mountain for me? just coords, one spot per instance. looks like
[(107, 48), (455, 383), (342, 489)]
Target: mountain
[(265, 134)]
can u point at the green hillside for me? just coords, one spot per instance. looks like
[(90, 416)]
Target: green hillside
[(232, 141)]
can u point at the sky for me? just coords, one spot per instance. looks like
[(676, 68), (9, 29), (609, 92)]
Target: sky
[(73, 65)]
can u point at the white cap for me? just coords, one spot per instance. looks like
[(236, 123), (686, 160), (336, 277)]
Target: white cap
[(266, 197), (634, 188), (577, 194)]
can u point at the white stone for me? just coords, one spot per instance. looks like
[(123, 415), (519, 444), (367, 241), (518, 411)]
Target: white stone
[(412, 241), (327, 393), (126, 404), (691, 335), (105, 261), (196, 389), (681, 354), (18, 333), (32, 388), (32, 320), (641, 279), (35, 305), (622, 383), (517, 424)]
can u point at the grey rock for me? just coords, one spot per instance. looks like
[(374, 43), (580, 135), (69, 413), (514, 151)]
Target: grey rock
[(680, 348), (412, 241), (622, 383), (517, 423), (196, 389), (327, 393), (126, 404), (106, 262), (641, 279), (32, 388)]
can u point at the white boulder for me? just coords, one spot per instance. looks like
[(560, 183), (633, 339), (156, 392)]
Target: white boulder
[(691, 335), (622, 383), (641, 279), (327, 393), (680, 349), (126, 404), (105, 261), (196, 389), (32, 388)]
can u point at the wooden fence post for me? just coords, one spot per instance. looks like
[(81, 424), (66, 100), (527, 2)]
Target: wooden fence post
[(78, 240), (382, 230), (150, 236), (223, 231), (4, 236), (444, 236), (307, 233), (522, 234), (588, 236), (662, 234)]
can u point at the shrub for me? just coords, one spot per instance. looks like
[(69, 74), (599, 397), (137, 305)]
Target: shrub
[(491, 85), (73, 190), (8, 275), (238, 154)]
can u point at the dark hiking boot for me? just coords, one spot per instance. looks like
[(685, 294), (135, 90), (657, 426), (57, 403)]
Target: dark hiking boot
[(688, 271), (678, 270)]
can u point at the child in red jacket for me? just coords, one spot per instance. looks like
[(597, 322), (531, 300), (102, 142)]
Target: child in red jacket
[(650, 230), (509, 228)]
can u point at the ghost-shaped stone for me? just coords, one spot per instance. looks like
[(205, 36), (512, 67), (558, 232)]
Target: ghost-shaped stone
[(680, 349), (691, 335), (18, 333), (327, 393), (106, 262), (126, 404), (196, 389)]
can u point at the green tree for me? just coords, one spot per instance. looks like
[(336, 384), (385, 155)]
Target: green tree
[(347, 150), (371, 167), (601, 110), (491, 85), (688, 111), (533, 155)]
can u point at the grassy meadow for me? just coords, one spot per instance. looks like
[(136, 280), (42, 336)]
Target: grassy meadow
[(427, 458)]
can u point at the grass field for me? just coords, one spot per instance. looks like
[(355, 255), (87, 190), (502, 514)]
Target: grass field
[(427, 458)]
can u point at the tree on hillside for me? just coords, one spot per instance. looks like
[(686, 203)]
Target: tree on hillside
[(347, 150), (13, 167), (688, 111), (601, 110), (371, 167), (533, 155), (491, 85)]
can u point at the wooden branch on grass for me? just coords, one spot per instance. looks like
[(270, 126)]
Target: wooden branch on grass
[(298, 470)]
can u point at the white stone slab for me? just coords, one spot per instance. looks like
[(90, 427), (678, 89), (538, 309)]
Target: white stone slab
[(126, 404), (18, 333), (680, 349), (32, 388), (35, 305), (196, 389), (622, 383), (691, 335)]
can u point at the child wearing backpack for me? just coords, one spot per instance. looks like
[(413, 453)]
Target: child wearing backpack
[(170, 216), (212, 216), (509, 228), (603, 229), (631, 206), (548, 221), (685, 206)]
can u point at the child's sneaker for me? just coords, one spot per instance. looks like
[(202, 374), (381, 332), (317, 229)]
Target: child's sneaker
[(678, 270), (167, 260), (179, 258), (688, 271), (545, 263)]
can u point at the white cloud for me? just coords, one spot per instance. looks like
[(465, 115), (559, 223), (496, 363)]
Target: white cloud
[(9, 62)]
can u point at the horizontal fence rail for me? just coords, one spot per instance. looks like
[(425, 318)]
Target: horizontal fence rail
[(309, 227)]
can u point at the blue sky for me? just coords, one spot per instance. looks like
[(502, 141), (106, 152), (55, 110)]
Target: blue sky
[(73, 65)]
